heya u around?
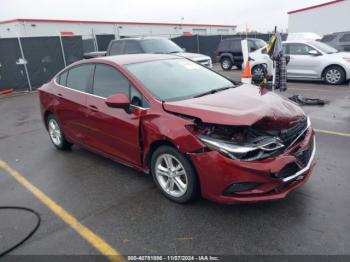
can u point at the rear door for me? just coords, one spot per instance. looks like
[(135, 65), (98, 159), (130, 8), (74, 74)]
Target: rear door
[(71, 91), (114, 131), (236, 49), (302, 64)]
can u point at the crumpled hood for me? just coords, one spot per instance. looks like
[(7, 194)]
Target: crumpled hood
[(244, 105), (193, 56)]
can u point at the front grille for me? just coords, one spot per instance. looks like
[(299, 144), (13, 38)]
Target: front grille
[(304, 156)]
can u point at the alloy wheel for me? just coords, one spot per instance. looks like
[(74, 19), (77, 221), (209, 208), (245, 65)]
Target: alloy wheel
[(171, 175), (333, 76), (55, 132)]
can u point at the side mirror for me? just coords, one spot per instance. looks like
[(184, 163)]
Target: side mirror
[(183, 49), (118, 101), (314, 53)]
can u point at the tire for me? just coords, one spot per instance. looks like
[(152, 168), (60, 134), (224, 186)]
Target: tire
[(226, 63), (56, 133), (334, 75), (258, 71), (182, 186)]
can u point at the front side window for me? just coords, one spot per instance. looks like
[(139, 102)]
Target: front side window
[(299, 49), (109, 81), (177, 79), (79, 77)]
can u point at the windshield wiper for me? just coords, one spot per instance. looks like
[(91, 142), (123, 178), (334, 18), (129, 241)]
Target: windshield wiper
[(213, 91), (173, 52)]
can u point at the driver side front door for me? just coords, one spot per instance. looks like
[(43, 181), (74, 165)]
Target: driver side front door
[(113, 131), (302, 64)]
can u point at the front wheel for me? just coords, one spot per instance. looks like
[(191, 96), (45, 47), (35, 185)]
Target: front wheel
[(174, 175), (334, 75), (259, 71)]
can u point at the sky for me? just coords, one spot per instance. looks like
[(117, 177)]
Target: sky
[(257, 15)]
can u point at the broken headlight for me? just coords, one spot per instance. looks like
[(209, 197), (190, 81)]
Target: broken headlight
[(255, 149)]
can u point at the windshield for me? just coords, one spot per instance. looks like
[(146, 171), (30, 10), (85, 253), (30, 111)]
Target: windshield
[(177, 79), (324, 47), (160, 46), (255, 44)]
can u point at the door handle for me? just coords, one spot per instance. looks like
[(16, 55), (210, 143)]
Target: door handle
[(93, 108), (59, 94)]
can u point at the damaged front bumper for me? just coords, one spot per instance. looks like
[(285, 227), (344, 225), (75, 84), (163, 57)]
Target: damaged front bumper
[(229, 181)]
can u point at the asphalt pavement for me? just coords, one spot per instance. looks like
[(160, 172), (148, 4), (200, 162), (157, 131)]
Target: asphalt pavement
[(124, 208)]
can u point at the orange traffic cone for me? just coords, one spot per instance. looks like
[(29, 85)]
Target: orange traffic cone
[(247, 74)]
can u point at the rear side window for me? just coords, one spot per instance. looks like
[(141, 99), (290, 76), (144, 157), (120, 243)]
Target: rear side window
[(132, 47), (116, 48), (236, 46), (224, 45), (79, 77), (62, 79), (109, 81)]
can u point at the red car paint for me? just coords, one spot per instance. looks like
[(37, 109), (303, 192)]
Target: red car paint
[(131, 137)]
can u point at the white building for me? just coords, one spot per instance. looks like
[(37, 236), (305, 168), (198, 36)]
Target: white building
[(322, 19), (45, 27)]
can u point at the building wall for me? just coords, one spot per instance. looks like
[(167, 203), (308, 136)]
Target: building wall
[(27, 29), (322, 20)]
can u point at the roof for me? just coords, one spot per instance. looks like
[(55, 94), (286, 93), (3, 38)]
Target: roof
[(315, 6), (134, 58), (106, 22)]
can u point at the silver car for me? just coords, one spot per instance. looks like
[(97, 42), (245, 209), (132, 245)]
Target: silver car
[(311, 60)]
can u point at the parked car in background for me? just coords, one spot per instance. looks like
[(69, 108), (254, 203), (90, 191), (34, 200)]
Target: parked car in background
[(340, 40), (311, 60), (229, 51), (149, 45), (193, 129)]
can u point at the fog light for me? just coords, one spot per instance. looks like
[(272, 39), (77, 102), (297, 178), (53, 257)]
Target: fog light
[(240, 187)]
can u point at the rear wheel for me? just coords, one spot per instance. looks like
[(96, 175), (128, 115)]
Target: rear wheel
[(174, 175), (56, 134), (226, 63), (334, 75)]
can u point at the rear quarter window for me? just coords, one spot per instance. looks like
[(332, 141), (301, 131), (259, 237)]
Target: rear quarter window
[(62, 79)]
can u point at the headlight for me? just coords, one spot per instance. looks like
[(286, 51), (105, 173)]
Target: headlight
[(249, 152), (347, 59)]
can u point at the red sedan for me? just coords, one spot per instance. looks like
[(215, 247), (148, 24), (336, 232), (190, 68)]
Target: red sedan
[(196, 131)]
